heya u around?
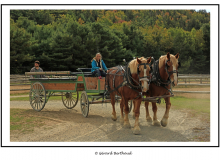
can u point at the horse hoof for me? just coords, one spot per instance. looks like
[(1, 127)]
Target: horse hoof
[(164, 122), (127, 125), (156, 123), (149, 119), (137, 130), (114, 118)]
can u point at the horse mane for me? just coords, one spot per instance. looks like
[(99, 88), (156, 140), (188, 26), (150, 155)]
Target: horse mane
[(133, 65), (162, 60)]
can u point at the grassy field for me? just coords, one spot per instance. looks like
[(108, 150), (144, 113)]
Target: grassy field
[(193, 106), (177, 102), (23, 122), (59, 98), (199, 105)]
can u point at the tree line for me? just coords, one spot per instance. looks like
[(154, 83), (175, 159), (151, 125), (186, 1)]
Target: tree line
[(69, 39)]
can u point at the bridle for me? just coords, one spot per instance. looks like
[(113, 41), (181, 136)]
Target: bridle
[(145, 77), (130, 79), (173, 71)]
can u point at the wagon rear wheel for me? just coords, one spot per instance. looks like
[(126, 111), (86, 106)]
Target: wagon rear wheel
[(37, 96), (70, 99), (84, 104)]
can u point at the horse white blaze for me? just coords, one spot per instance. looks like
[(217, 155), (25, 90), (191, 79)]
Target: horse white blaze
[(175, 76)]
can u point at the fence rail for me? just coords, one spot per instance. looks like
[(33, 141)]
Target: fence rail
[(188, 79)]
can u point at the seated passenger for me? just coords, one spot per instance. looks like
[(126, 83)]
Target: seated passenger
[(36, 68), (98, 66)]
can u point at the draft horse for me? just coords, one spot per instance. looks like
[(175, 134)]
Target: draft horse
[(129, 83), (166, 74)]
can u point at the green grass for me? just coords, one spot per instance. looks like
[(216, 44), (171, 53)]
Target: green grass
[(18, 94), (198, 105), (21, 121), (59, 98), (191, 86), (27, 98), (19, 99)]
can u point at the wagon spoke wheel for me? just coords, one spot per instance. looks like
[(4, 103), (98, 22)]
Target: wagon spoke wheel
[(130, 105), (37, 96), (84, 103), (70, 99)]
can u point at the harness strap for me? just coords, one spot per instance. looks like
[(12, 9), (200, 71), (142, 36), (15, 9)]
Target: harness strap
[(125, 82), (156, 78)]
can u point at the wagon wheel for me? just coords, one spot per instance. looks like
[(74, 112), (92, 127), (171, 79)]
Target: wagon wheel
[(70, 99), (130, 105), (37, 96), (84, 103)]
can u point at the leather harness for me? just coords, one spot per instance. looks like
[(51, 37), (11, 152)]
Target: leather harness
[(129, 81)]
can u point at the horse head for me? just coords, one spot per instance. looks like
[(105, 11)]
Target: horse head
[(143, 71), (172, 66)]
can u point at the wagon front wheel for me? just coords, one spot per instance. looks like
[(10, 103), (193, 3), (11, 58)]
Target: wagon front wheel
[(84, 104), (70, 99), (37, 96)]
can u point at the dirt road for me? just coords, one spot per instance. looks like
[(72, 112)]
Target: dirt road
[(66, 125)]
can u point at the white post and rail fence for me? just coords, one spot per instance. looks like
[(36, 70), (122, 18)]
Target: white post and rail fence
[(21, 82)]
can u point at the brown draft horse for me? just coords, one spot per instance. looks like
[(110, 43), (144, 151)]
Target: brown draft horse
[(127, 93), (154, 90)]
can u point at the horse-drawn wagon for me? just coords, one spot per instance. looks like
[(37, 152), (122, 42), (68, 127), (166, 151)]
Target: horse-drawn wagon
[(128, 83), (68, 85)]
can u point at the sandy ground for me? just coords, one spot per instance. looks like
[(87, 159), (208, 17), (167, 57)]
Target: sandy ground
[(68, 125)]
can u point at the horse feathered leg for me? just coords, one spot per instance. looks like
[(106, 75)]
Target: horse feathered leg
[(133, 110), (114, 117), (164, 120), (137, 129), (126, 110), (122, 111), (155, 120), (148, 117)]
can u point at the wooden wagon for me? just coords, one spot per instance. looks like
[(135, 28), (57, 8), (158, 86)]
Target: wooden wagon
[(69, 85)]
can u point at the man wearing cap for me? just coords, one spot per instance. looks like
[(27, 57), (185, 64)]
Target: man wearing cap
[(36, 68)]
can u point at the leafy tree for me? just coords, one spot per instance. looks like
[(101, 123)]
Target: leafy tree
[(68, 39), (20, 47), (206, 47)]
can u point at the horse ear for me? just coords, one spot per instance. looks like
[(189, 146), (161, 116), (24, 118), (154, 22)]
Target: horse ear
[(177, 55), (138, 60), (149, 60), (168, 55)]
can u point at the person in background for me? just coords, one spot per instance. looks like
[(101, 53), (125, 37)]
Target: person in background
[(98, 66), (36, 68)]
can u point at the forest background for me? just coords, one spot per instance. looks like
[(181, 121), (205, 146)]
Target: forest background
[(64, 40)]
